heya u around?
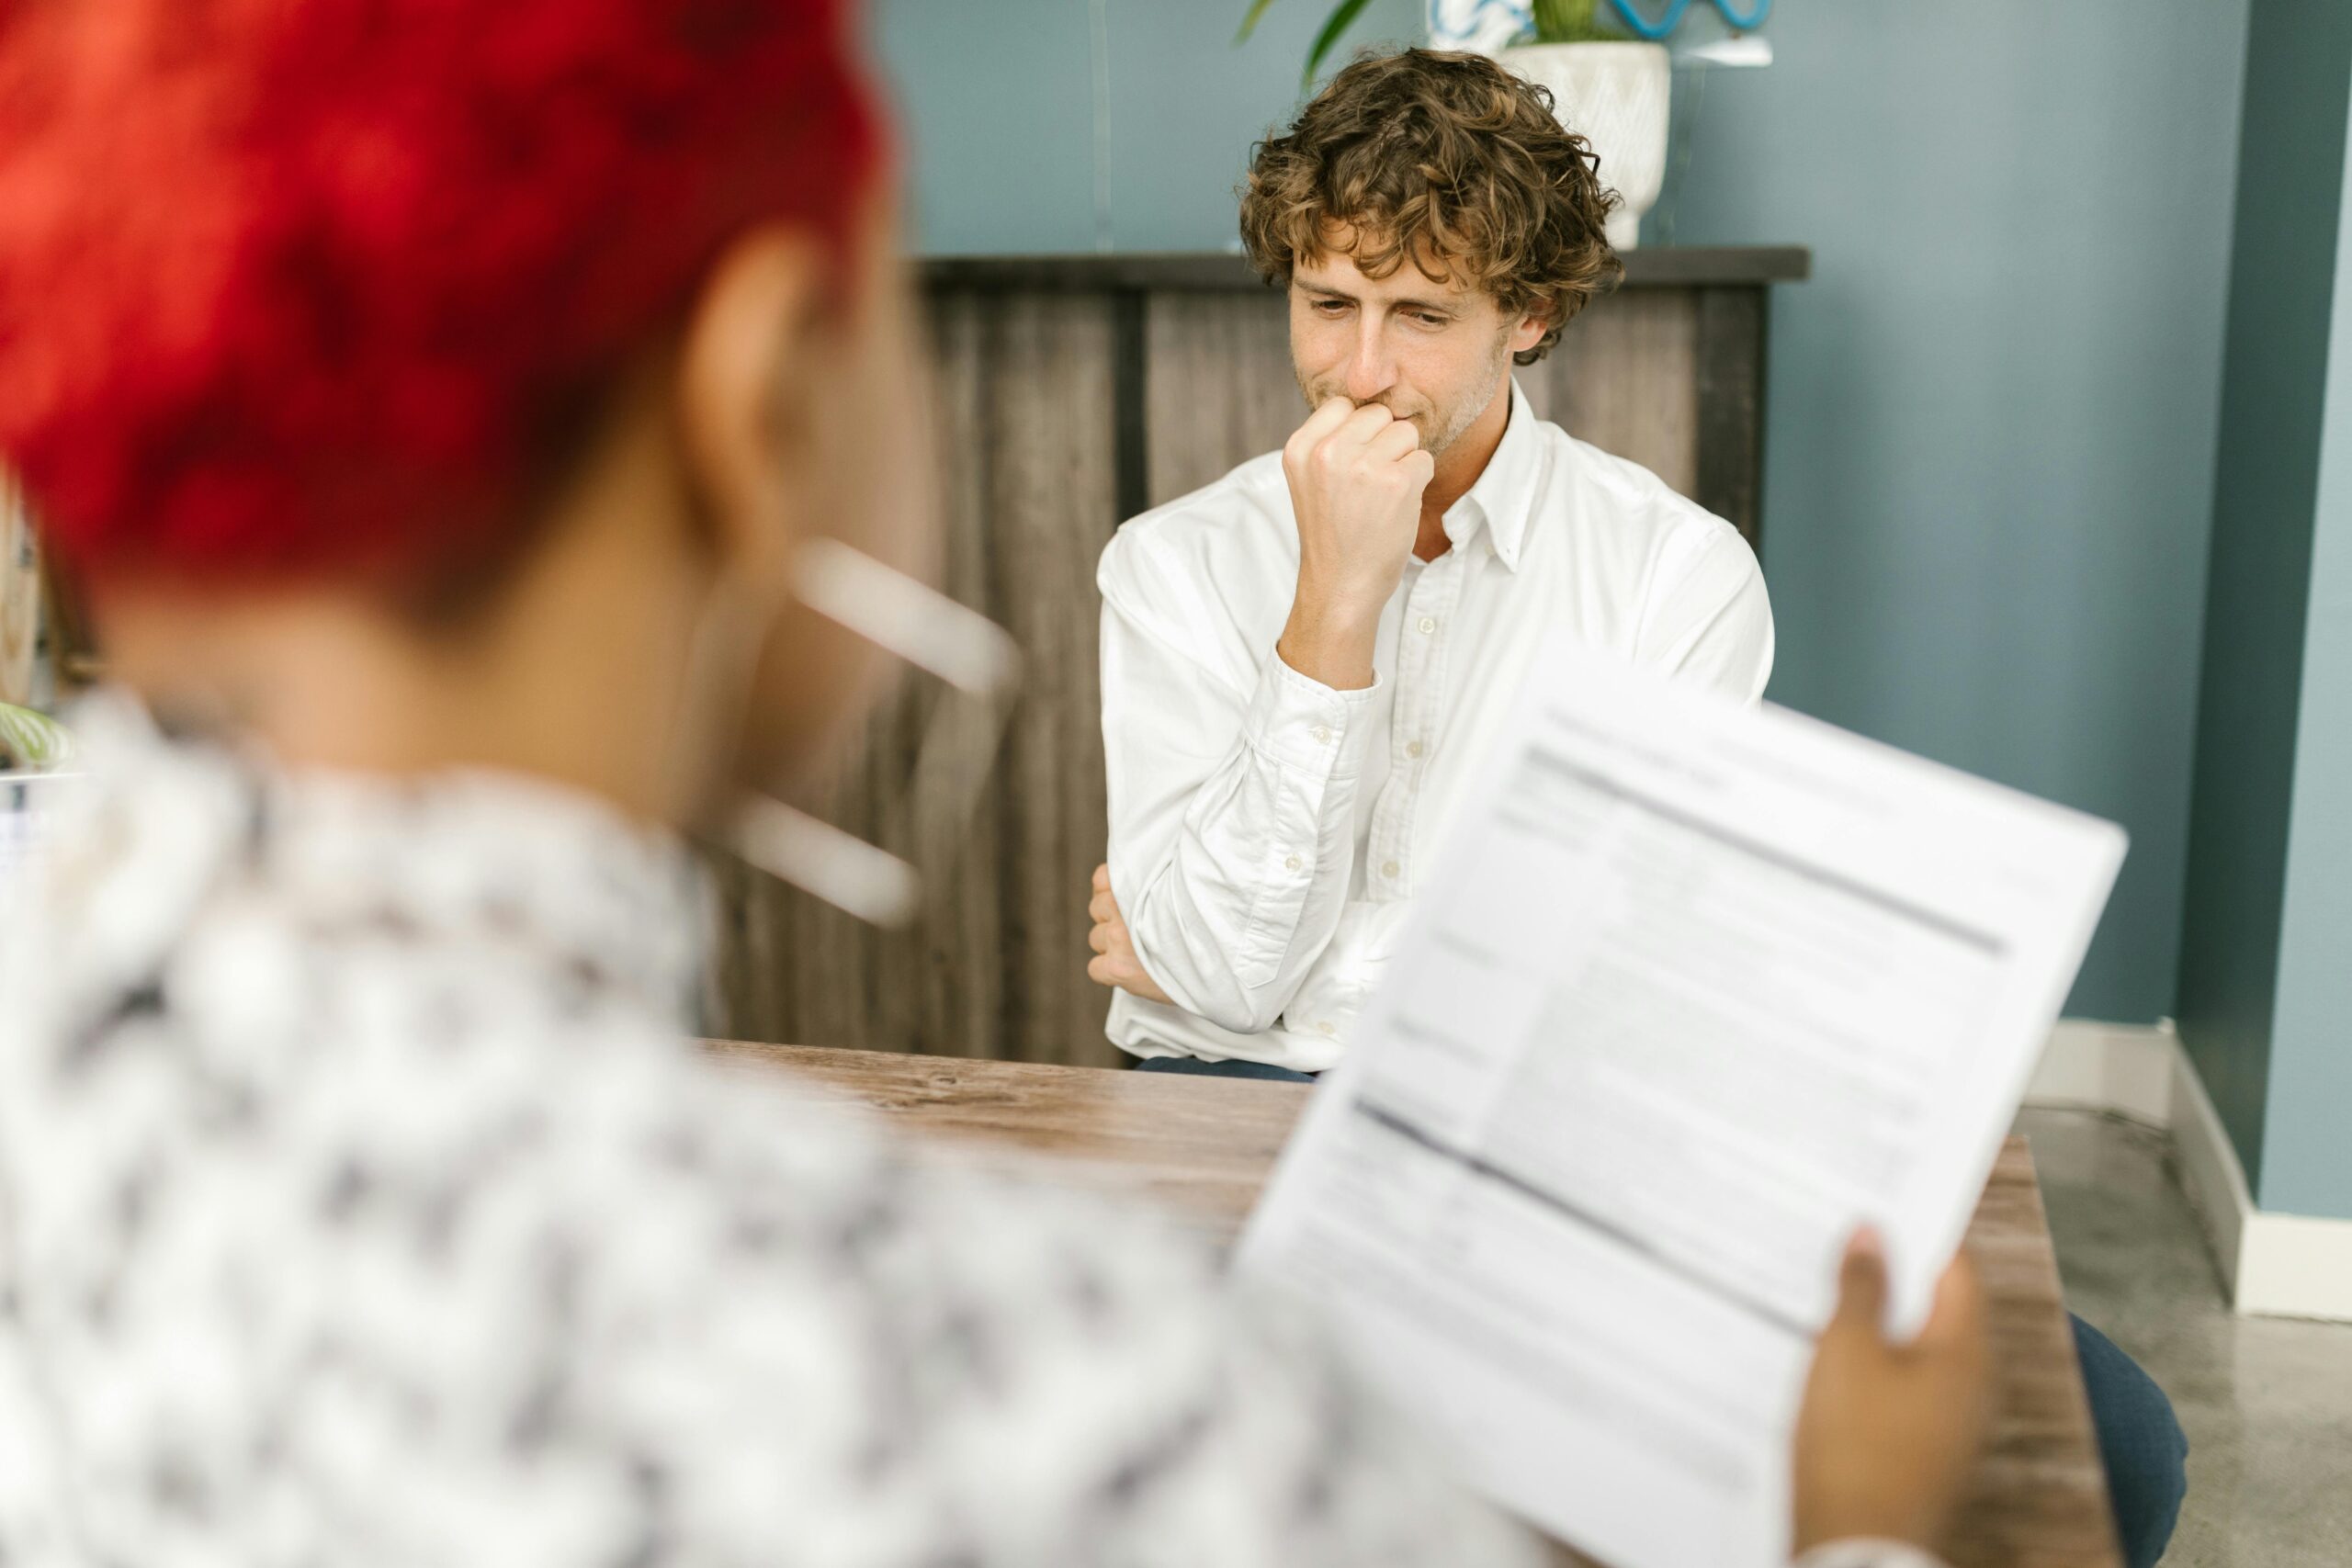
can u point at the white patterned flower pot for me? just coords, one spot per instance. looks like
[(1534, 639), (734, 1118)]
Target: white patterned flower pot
[(1615, 96)]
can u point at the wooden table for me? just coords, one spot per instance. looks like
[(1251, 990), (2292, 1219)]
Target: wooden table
[(1202, 1147)]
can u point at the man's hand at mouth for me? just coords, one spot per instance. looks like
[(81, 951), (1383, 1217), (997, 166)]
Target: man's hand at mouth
[(1356, 477)]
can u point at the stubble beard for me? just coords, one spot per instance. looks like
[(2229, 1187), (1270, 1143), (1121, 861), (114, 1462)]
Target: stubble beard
[(1440, 427)]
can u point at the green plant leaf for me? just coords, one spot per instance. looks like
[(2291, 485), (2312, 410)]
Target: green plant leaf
[(1572, 21), (1249, 22), (1342, 14), (32, 739)]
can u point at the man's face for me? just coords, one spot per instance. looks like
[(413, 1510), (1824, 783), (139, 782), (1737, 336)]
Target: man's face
[(1434, 354)]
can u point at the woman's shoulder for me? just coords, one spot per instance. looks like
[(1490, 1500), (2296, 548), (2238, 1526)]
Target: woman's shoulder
[(383, 1136)]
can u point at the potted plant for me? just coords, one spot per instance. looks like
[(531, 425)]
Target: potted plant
[(1614, 90), (1607, 86)]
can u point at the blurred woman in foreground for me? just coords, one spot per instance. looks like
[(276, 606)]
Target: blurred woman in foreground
[(434, 397)]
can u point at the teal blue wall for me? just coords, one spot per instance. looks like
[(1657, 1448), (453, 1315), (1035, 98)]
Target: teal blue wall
[(1005, 97), (1989, 471), (2267, 944), (2307, 1141), (998, 102), (1989, 465)]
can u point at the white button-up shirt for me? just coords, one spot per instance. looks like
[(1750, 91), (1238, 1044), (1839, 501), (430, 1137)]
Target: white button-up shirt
[(1267, 831)]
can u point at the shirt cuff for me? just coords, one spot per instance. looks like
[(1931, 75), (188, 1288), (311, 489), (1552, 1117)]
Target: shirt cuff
[(1868, 1554), (1304, 724)]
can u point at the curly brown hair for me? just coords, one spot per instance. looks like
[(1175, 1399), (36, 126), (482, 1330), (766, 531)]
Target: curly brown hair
[(1445, 159)]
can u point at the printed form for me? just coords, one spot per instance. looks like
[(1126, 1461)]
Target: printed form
[(1697, 990)]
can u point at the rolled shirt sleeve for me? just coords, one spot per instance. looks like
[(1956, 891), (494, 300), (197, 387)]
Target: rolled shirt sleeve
[(1231, 816)]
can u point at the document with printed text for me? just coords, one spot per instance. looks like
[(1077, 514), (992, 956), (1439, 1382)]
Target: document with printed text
[(1697, 990)]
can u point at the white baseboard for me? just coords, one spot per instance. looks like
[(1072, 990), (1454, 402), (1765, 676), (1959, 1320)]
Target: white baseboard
[(2210, 1173), (2273, 1265), (2295, 1266), (2123, 1068)]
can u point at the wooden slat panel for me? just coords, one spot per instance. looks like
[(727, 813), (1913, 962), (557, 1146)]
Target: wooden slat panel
[(959, 949), (1025, 415), (1730, 383), (1060, 410), (1623, 377), (1130, 351), (1218, 386), (1051, 500)]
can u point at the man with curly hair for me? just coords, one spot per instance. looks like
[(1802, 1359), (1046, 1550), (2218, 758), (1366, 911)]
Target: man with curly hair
[(1304, 664)]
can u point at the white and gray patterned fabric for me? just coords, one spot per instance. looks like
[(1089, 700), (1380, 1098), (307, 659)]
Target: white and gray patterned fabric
[(362, 1202)]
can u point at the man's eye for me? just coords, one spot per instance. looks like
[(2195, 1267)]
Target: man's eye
[(1428, 321), (1330, 307)]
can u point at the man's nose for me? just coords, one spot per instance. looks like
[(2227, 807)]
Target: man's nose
[(1371, 370)]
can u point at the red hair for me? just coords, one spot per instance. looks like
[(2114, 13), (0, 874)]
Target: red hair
[(304, 286)]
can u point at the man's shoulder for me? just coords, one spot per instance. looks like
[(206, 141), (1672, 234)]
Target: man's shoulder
[(1631, 507), (1238, 520), (1626, 491)]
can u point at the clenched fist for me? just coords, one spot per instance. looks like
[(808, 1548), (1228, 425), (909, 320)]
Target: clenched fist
[(1114, 962), (1356, 477)]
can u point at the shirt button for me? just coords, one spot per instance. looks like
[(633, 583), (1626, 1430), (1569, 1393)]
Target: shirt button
[(1325, 1027), (1322, 732), (1389, 869), (1293, 863), (1428, 625), (1415, 748)]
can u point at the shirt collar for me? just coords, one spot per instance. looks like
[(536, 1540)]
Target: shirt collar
[(1504, 496)]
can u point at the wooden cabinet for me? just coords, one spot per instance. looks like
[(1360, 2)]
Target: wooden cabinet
[(1073, 393)]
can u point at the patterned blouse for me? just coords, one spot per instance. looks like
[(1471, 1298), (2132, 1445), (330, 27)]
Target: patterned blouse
[(362, 1202)]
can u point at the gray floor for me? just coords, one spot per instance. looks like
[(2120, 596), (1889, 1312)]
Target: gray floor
[(2266, 1402)]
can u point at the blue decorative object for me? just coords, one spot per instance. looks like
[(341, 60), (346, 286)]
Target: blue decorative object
[(1479, 26), (1664, 28)]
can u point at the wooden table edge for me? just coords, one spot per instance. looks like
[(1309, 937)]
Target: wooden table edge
[(1053, 1115)]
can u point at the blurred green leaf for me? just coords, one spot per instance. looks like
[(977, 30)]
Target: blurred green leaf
[(32, 739), (1572, 21), (1345, 12), (1249, 22)]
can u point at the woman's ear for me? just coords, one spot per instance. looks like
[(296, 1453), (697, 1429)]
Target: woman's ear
[(745, 366), (801, 414)]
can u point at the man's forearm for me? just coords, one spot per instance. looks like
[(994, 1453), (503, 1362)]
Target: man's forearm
[(1329, 643), (1235, 877), (1239, 974)]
